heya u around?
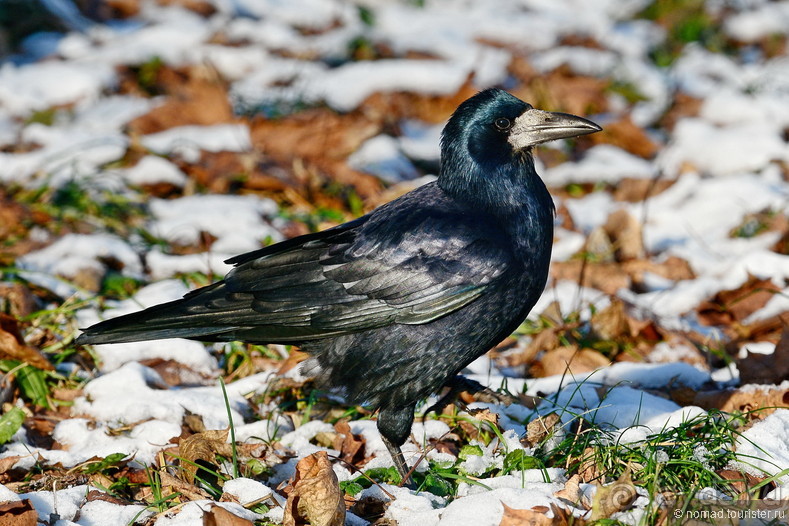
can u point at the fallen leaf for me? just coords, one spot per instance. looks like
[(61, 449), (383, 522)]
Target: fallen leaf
[(639, 190), (735, 305), (195, 96), (739, 481), (201, 7), (588, 469), (94, 495), (615, 497), (563, 90), (571, 492), (628, 136), (530, 517), (625, 233), (606, 277), (13, 347), (756, 368), (16, 299), (758, 402), (611, 323), (203, 447), (9, 462), (18, 513), (540, 428), (568, 360), (219, 516), (175, 373), (315, 498), (350, 446)]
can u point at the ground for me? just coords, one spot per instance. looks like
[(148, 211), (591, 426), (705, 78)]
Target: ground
[(143, 142)]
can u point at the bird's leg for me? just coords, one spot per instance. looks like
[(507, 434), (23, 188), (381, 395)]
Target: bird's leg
[(458, 384), (394, 424), (397, 457)]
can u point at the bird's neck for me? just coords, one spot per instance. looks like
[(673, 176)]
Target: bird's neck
[(514, 194)]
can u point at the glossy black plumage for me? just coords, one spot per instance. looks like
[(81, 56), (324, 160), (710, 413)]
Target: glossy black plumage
[(396, 303)]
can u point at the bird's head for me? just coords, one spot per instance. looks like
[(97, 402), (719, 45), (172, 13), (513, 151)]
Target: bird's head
[(490, 136)]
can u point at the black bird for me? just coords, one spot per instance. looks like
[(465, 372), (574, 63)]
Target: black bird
[(394, 304)]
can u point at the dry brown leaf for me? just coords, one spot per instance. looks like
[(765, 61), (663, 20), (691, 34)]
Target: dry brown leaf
[(626, 135), (219, 516), (175, 373), (13, 347), (7, 463), (201, 7), (563, 90), (571, 492), (564, 517), (612, 322), (94, 495), (350, 446), (195, 96), (545, 340), (18, 513), (204, 447), (540, 428), (313, 134), (295, 357), (606, 277), (531, 517), (588, 470), (765, 399), (615, 497), (773, 368), (316, 498), (16, 299), (739, 481), (735, 305), (624, 231), (393, 107), (638, 190), (568, 360)]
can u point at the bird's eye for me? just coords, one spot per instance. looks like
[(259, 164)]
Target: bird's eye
[(502, 124)]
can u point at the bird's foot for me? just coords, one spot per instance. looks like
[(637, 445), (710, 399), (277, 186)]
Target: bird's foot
[(460, 384)]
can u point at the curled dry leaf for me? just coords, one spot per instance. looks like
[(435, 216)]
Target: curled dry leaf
[(316, 498), (572, 491), (203, 447), (615, 497), (531, 517), (540, 428)]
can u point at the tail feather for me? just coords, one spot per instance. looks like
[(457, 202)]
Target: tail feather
[(175, 319)]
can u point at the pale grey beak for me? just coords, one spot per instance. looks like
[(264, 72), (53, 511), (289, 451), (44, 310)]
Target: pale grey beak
[(537, 126)]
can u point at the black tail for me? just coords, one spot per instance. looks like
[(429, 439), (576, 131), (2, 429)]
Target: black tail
[(176, 319)]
